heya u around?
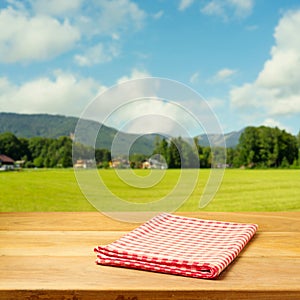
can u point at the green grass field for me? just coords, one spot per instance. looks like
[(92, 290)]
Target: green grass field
[(241, 190)]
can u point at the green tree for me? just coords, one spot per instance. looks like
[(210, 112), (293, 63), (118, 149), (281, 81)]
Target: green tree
[(248, 147), (205, 158), (102, 155), (173, 157), (219, 156), (204, 154), (37, 146), (25, 153), (266, 147), (284, 164), (161, 148), (189, 153), (136, 160), (182, 153), (266, 142), (10, 146), (38, 162), (230, 155), (65, 151), (81, 151)]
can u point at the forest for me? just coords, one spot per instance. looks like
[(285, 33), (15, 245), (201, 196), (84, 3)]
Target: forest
[(258, 147)]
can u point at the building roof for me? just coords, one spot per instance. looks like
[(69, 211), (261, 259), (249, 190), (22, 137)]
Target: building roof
[(6, 159)]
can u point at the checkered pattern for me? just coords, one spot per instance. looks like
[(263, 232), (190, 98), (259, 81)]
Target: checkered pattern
[(178, 245)]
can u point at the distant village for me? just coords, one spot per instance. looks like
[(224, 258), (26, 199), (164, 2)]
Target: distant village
[(258, 147), (121, 163), (8, 164)]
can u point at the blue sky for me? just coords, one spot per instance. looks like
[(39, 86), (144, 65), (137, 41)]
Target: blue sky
[(242, 56)]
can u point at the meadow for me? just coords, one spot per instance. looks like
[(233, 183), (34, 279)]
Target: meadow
[(240, 190)]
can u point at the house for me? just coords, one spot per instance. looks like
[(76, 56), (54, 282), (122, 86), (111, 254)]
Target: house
[(146, 164), (157, 164), (19, 163), (6, 163), (120, 163), (80, 163), (84, 163), (154, 164)]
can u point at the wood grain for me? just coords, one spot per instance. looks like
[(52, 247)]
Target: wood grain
[(50, 256), (95, 221)]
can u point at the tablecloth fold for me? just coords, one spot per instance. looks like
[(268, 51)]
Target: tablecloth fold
[(173, 244)]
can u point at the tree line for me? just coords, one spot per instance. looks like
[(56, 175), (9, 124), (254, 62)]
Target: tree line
[(266, 147), (37, 151), (258, 147)]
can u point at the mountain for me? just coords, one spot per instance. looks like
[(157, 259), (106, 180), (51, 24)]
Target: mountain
[(231, 139), (54, 126), (50, 126)]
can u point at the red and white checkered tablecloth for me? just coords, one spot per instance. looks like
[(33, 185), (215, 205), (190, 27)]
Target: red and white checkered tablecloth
[(178, 245)]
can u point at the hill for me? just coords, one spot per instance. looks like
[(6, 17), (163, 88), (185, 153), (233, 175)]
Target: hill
[(54, 126), (231, 139), (27, 126)]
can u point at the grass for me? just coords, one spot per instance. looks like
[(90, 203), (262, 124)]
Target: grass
[(240, 190), (41, 190), (256, 190)]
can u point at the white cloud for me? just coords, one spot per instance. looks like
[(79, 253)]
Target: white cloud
[(63, 94), (150, 116), (227, 9), (222, 8), (184, 4), (135, 74), (242, 8), (115, 36), (275, 123), (194, 78), (56, 7), (5, 88), (95, 17), (153, 105), (145, 115), (276, 89), (213, 8), (107, 17), (142, 55), (25, 38), (216, 103), (158, 15), (68, 94), (103, 19), (252, 27), (41, 30), (97, 54), (224, 74)]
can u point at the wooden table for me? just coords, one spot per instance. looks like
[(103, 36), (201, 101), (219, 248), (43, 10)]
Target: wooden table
[(50, 256)]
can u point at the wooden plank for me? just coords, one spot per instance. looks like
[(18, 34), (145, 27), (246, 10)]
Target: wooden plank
[(71, 221), (50, 256), (81, 273), (54, 243), (82, 243), (146, 295), (94, 221), (158, 295), (267, 221)]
